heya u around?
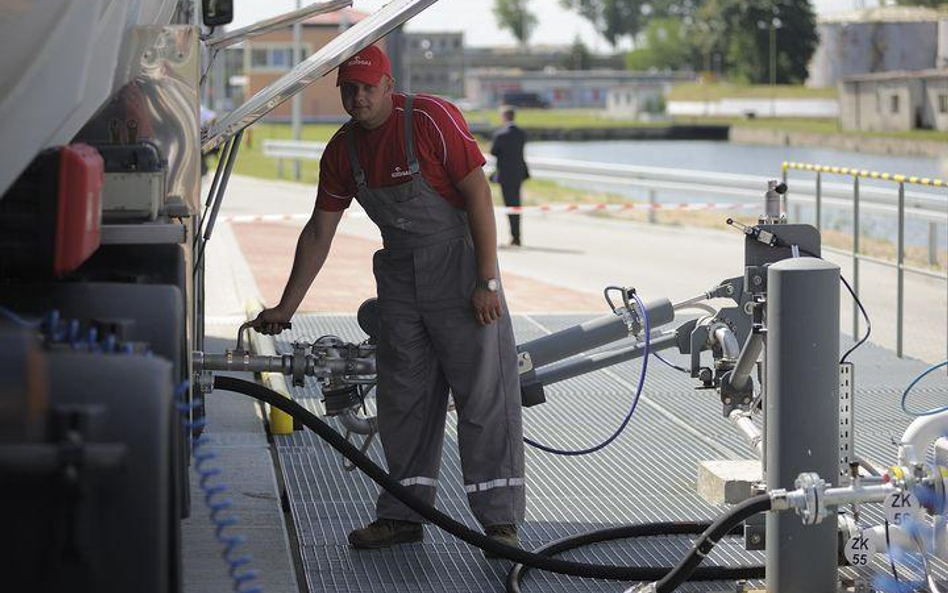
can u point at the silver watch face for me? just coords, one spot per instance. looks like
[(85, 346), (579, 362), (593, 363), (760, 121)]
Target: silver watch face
[(493, 285)]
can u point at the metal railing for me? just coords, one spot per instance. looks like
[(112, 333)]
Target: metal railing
[(670, 181), (935, 211)]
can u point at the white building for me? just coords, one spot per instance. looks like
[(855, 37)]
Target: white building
[(637, 100), (559, 88), (895, 101), (883, 39)]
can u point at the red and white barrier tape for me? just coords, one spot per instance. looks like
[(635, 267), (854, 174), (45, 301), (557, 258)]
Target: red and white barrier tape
[(528, 209)]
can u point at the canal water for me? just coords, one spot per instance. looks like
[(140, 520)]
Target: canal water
[(727, 157)]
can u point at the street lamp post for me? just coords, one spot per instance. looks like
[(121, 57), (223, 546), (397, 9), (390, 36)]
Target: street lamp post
[(297, 104), (772, 25)]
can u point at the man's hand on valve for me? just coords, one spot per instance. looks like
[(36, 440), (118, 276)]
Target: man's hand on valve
[(272, 321)]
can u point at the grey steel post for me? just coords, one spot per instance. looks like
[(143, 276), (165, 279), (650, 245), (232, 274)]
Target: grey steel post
[(900, 297), (932, 243), (855, 255), (819, 200), (786, 194), (297, 104), (801, 416), (651, 203)]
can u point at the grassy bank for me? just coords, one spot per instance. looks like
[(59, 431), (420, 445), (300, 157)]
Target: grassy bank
[(252, 162), (822, 126)]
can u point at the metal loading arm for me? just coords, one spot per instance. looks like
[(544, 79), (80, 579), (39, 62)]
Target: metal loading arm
[(316, 66)]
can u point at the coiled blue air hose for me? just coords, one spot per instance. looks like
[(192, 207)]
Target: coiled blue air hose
[(635, 400), (216, 500), (12, 316)]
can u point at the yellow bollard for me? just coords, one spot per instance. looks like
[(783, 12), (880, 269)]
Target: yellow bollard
[(280, 422)]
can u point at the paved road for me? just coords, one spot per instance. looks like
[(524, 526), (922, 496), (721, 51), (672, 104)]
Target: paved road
[(581, 254)]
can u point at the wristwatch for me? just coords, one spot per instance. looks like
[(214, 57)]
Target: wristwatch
[(489, 284)]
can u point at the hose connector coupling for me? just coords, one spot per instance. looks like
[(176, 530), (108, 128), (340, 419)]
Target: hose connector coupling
[(813, 497), (806, 500)]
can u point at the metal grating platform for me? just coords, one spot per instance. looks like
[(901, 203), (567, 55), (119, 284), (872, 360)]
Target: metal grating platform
[(646, 475)]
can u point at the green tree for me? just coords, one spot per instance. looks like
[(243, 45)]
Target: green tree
[(742, 31), (666, 45), (578, 57), (618, 19), (613, 19), (514, 16)]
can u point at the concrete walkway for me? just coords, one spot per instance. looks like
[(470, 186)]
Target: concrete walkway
[(236, 429)]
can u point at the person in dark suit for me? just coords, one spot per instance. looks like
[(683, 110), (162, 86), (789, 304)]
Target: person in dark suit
[(512, 170)]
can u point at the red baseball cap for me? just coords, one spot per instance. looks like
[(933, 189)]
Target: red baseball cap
[(367, 67)]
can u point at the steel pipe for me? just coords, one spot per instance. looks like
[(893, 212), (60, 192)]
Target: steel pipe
[(725, 338), (592, 362), (753, 346), (591, 334), (358, 424), (277, 22), (755, 437)]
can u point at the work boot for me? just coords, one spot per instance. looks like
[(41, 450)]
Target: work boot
[(503, 534), (384, 533)]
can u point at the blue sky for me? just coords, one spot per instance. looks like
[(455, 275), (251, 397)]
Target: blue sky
[(556, 26)]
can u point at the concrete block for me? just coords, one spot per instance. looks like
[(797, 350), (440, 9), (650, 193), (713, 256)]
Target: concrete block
[(727, 481)]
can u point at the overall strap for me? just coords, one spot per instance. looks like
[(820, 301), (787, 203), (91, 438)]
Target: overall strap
[(353, 156), (410, 137)]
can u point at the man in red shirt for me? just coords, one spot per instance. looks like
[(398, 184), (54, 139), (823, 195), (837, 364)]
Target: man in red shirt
[(413, 166)]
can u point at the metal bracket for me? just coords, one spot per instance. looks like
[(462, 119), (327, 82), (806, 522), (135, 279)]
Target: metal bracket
[(846, 433), (755, 279), (733, 398), (699, 337)]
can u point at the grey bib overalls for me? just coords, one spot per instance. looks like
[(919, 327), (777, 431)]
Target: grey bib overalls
[(429, 341)]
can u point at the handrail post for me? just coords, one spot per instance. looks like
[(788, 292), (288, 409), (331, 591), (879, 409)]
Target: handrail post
[(786, 194), (855, 255), (932, 243), (819, 201), (901, 273), (651, 205)]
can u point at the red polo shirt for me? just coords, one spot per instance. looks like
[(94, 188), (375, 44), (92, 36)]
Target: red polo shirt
[(444, 147)]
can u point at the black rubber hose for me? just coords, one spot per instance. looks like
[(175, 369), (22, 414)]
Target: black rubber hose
[(518, 571), (704, 544), (459, 530)]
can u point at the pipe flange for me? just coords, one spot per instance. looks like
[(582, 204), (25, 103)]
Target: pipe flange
[(299, 363), (814, 509)]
